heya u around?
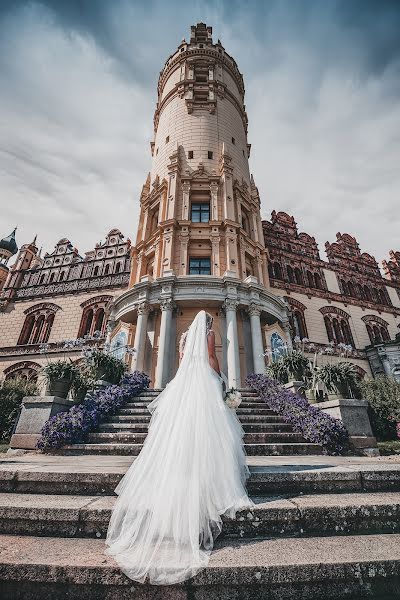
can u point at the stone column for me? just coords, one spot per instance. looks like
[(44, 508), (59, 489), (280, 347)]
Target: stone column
[(139, 343), (230, 307), (256, 338), (185, 200), (164, 343)]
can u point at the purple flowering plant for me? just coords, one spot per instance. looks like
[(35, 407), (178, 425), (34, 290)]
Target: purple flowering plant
[(74, 425), (307, 419)]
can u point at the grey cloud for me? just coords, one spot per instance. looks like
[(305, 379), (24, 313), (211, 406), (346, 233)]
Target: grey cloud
[(78, 89)]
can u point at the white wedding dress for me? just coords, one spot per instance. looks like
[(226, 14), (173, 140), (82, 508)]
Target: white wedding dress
[(192, 469)]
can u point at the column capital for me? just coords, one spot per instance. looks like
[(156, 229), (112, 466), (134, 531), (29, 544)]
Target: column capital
[(254, 310), (167, 304), (230, 304), (143, 308)]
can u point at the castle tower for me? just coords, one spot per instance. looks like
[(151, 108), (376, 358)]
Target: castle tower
[(199, 242), (8, 247)]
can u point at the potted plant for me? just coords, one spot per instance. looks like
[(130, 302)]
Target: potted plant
[(83, 381), (276, 370), (105, 367), (59, 375), (339, 379), (296, 365)]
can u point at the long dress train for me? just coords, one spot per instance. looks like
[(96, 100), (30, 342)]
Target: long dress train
[(191, 470)]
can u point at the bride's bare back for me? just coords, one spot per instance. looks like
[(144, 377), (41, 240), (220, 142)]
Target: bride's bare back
[(212, 357)]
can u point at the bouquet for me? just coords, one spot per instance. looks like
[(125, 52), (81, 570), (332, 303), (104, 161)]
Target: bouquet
[(233, 398)]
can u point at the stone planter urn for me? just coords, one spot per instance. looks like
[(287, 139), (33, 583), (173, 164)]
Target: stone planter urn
[(58, 387), (311, 396)]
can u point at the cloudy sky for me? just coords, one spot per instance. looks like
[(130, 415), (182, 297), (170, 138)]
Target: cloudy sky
[(78, 90)]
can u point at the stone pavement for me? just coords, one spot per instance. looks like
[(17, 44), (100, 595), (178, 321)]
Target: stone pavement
[(321, 527)]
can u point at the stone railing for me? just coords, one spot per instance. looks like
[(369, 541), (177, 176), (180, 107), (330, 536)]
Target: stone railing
[(51, 348)]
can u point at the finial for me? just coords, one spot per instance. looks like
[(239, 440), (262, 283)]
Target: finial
[(34, 240)]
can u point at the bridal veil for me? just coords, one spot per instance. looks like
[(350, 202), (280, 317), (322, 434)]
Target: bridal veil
[(191, 470)]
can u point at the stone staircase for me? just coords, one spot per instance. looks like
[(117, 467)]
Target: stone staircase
[(316, 531), (266, 434)]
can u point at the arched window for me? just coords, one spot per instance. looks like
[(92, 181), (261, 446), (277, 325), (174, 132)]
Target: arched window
[(118, 345), (310, 279), (329, 329), (53, 276), (278, 346), (344, 287), (351, 289), (86, 324), (107, 269), (346, 333), (299, 324), (382, 297), (271, 271), (118, 267), (367, 293), (96, 271), (42, 278), (377, 329), (318, 281), (63, 275), (290, 274), (296, 318), (94, 316), (277, 271), (38, 323), (298, 276), (27, 369), (337, 325), (360, 291)]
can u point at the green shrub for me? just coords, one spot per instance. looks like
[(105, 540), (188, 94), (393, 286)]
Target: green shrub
[(383, 395), (11, 393)]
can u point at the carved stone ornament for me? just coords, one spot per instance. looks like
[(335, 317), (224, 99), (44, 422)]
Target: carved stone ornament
[(230, 304), (143, 308), (167, 304), (254, 310)]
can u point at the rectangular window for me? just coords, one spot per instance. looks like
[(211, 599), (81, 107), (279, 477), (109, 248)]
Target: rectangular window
[(200, 213), (199, 266), (190, 154), (210, 154)]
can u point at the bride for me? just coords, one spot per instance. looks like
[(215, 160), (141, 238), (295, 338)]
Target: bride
[(192, 469)]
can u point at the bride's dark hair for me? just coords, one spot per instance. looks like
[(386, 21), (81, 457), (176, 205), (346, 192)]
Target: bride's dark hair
[(209, 322)]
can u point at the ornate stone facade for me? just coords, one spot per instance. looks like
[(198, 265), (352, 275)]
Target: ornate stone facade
[(56, 297), (343, 300)]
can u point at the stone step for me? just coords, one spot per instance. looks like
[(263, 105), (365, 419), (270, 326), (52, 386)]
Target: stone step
[(143, 404), (142, 427), (266, 569), (254, 411), (128, 418), (274, 516), (249, 438), (252, 449), (98, 475)]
